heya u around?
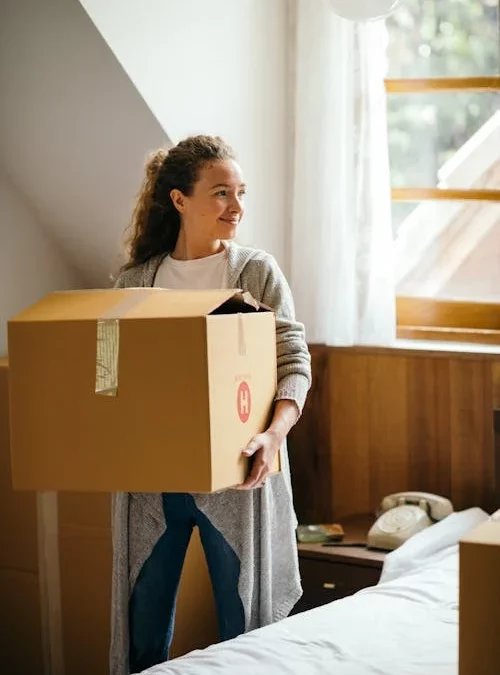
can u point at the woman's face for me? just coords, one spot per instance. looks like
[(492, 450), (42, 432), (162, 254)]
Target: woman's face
[(215, 207)]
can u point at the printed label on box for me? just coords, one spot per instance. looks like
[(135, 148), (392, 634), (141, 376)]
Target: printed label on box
[(244, 402)]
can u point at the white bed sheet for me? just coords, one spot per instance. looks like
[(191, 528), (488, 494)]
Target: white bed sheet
[(406, 625)]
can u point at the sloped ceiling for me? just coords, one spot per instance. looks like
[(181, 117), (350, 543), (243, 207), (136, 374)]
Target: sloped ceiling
[(72, 127), (218, 67)]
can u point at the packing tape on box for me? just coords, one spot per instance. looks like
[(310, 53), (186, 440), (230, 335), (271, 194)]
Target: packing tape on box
[(108, 343), (106, 360), (242, 345)]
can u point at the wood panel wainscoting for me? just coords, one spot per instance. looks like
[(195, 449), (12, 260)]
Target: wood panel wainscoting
[(383, 420)]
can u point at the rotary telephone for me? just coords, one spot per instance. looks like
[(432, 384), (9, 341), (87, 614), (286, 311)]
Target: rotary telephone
[(404, 514)]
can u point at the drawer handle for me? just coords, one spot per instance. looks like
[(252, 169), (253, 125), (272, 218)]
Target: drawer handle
[(328, 585)]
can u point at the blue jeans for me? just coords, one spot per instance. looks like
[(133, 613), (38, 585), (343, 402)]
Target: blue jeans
[(152, 604)]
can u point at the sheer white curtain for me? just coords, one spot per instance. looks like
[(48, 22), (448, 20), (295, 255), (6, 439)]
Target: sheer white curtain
[(341, 241)]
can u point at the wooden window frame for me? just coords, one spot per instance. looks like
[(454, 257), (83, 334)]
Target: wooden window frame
[(448, 320), (430, 318)]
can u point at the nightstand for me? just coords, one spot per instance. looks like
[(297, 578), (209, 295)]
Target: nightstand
[(333, 572)]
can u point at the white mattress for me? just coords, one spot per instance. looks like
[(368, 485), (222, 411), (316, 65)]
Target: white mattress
[(406, 625)]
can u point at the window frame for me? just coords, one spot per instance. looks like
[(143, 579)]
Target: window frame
[(421, 318)]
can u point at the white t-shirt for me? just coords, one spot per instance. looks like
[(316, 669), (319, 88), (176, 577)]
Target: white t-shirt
[(200, 274)]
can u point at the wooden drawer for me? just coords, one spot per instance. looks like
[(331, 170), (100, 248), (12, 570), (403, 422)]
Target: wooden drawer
[(324, 581)]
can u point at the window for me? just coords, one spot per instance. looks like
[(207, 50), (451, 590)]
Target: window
[(443, 102)]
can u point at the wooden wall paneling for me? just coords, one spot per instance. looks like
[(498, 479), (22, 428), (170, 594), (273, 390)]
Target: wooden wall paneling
[(386, 420), (429, 425), (496, 487), (388, 427), (309, 446), (471, 433), (495, 371), (350, 446), (492, 466)]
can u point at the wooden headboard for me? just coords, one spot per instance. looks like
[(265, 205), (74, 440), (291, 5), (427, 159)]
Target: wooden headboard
[(379, 421)]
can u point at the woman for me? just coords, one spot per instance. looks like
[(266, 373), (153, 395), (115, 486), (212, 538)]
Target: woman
[(186, 217)]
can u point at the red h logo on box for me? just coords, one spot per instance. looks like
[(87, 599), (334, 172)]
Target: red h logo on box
[(244, 402)]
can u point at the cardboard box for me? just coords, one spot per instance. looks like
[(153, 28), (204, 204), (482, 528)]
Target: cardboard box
[(18, 515), (85, 549), (84, 545), (144, 390), (21, 631), (479, 604), (20, 616)]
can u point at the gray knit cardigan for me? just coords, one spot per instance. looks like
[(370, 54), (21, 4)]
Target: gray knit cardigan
[(259, 524)]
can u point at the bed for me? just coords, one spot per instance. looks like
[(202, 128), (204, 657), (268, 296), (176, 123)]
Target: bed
[(406, 625)]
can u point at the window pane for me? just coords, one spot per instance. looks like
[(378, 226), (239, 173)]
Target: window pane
[(443, 38), (449, 250), (446, 139)]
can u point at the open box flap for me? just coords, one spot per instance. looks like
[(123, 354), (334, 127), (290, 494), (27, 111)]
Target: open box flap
[(134, 303), (77, 305), (183, 304)]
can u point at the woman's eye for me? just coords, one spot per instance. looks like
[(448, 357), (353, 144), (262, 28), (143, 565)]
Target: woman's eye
[(225, 193)]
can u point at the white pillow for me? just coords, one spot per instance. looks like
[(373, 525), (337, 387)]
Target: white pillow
[(429, 544)]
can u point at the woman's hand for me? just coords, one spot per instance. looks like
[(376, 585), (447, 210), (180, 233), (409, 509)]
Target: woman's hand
[(264, 447)]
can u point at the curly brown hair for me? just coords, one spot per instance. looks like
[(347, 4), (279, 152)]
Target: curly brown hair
[(156, 223)]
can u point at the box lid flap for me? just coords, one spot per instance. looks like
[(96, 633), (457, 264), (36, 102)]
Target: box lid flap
[(171, 304), (75, 305), (132, 303)]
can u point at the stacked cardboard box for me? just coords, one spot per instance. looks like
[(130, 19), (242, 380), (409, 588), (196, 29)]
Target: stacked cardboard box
[(479, 608), (85, 578), (20, 627)]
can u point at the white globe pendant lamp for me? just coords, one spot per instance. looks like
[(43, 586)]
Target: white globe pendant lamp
[(363, 10)]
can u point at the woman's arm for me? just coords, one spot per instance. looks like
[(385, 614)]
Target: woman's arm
[(293, 358), (294, 372)]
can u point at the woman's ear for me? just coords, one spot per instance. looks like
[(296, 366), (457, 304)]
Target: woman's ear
[(178, 200)]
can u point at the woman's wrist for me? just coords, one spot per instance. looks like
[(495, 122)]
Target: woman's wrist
[(286, 414)]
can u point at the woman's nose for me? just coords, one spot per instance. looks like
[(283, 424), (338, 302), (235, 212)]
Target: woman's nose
[(236, 205)]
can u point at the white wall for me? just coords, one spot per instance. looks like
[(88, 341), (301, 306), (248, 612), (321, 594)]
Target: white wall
[(215, 67), (30, 263), (74, 131)]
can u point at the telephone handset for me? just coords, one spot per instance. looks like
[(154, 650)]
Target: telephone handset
[(404, 514)]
